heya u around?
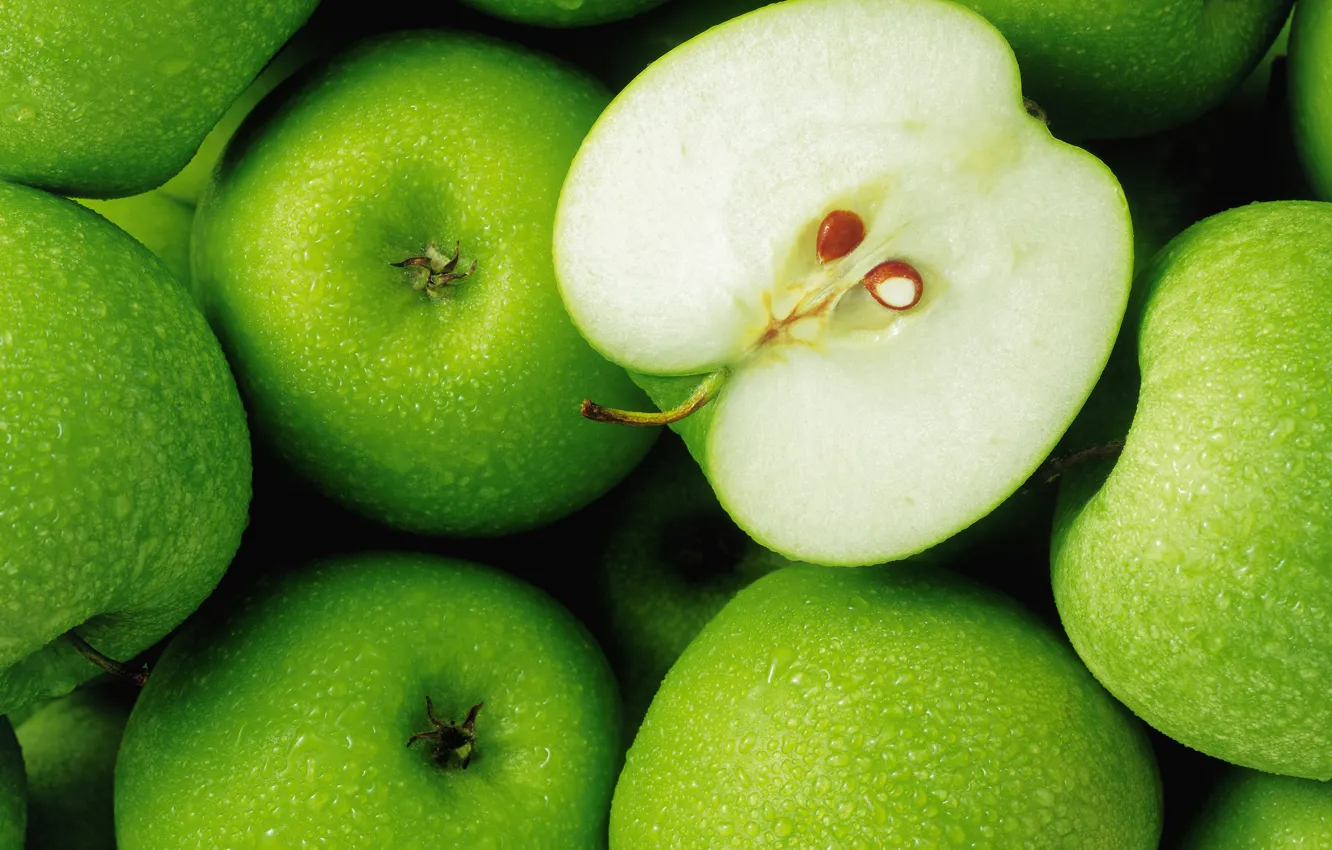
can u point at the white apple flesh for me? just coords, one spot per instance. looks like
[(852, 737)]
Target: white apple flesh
[(876, 390)]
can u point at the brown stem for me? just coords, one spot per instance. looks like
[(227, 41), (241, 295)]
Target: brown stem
[(705, 392), (110, 665), (1053, 468)]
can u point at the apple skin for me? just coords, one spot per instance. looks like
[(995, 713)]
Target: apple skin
[(449, 416), (562, 13), (1192, 574), (1108, 69), (126, 481), (13, 793), (1260, 811), (158, 221), (69, 752), (1311, 90), (883, 707), (188, 185), (104, 100), (296, 708), (671, 560)]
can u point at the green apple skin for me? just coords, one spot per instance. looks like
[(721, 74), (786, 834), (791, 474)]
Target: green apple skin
[(1261, 811), (297, 707), (1311, 90), (126, 481), (158, 221), (69, 752), (104, 100), (883, 707), (562, 13), (671, 561), (456, 415), (1192, 575), (13, 790), (189, 184), (1108, 69)]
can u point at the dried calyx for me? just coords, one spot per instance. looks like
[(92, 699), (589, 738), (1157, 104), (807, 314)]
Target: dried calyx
[(437, 270)]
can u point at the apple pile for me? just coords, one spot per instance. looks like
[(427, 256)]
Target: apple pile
[(685, 424)]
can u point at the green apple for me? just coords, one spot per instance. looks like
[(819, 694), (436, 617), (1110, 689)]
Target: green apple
[(13, 794), (104, 100), (1105, 69), (882, 344), (435, 393), (69, 751), (1260, 811), (160, 222), (188, 185), (126, 479), (1311, 90), (307, 717), (562, 13), (1192, 574), (671, 560), (892, 707)]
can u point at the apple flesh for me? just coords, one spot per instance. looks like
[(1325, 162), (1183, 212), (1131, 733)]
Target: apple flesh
[(885, 707), (297, 710), (1192, 573), (847, 425)]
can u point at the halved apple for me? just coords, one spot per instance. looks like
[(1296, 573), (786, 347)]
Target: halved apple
[(831, 231)]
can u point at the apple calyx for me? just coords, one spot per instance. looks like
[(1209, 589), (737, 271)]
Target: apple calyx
[(705, 392), (449, 741), (115, 668), (441, 271)]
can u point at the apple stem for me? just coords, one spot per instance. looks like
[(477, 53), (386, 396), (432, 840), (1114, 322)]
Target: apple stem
[(451, 740), (1053, 468), (111, 666), (705, 392)]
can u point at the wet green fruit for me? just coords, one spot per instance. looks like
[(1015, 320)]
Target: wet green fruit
[(104, 100), (69, 753), (297, 711), (434, 393), (883, 707), (1260, 811), (126, 477), (1195, 576)]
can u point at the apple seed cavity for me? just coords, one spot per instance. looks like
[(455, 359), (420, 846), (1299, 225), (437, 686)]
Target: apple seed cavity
[(841, 232), (895, 284), (440, 271), (449, 741)]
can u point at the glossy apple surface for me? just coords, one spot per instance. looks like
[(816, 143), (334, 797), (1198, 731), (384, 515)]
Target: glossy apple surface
[(104, 100), (439, 410), (1192, 574), (297, 708), (883, 707), (126, 481)]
